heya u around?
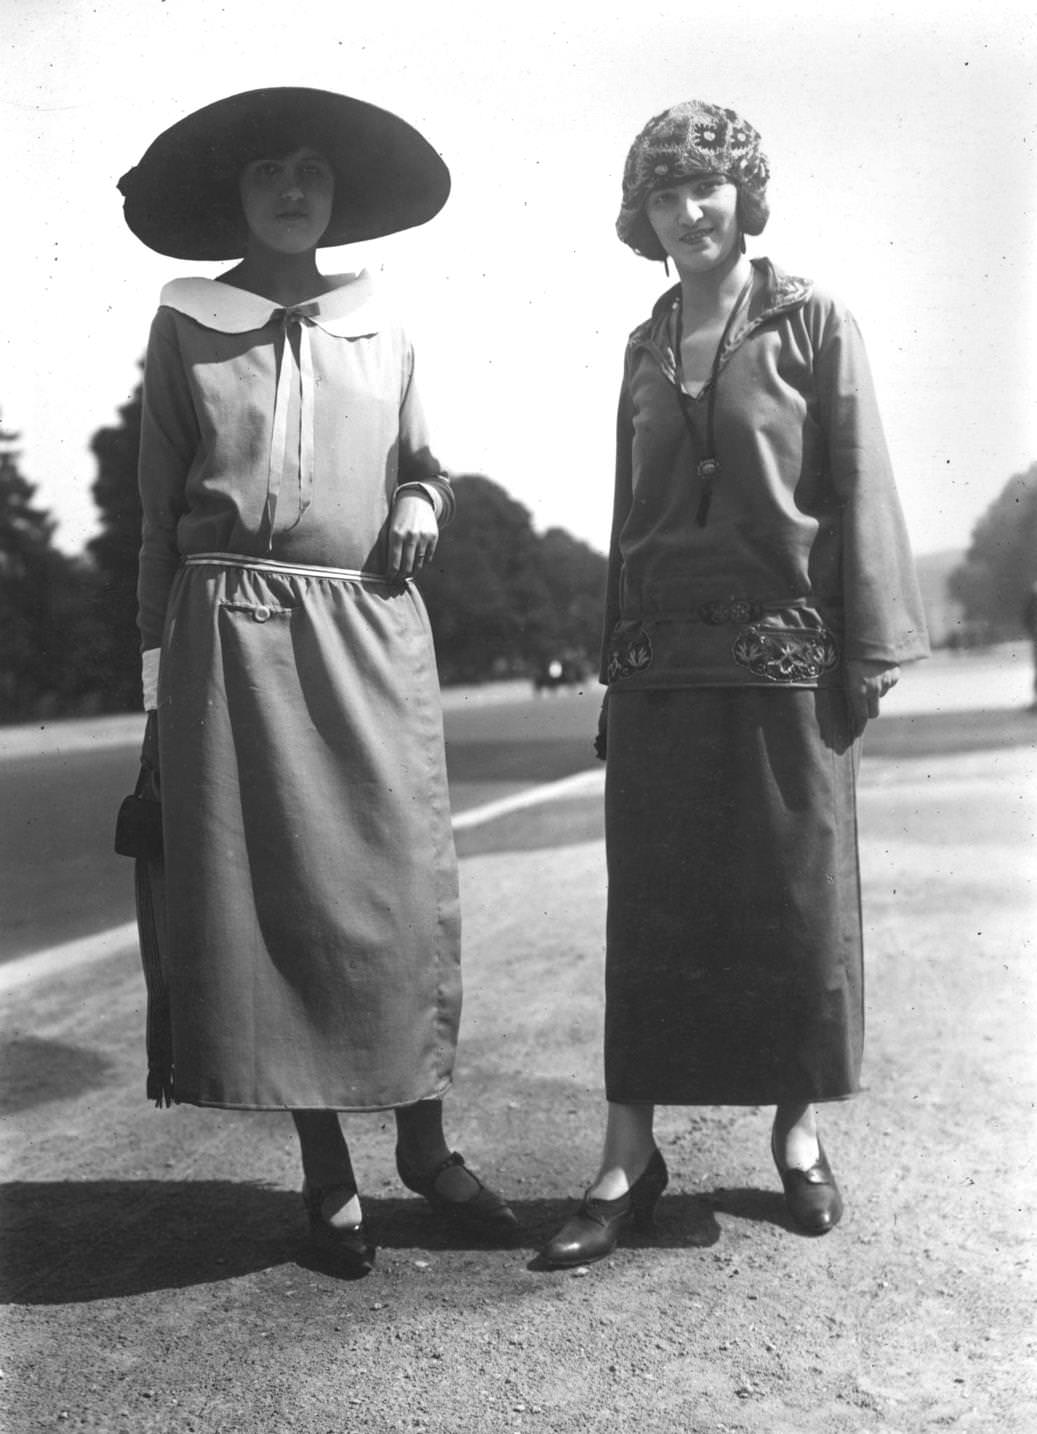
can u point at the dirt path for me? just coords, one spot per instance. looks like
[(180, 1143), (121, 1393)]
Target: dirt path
[(151, 1270)]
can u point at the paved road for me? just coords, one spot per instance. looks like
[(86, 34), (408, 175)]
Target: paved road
[(60, 788), (60, 784)]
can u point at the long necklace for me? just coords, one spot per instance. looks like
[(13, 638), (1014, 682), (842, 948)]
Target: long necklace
[(708, 466)]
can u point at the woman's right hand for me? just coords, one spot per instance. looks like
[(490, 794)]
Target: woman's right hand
[(413, 534)]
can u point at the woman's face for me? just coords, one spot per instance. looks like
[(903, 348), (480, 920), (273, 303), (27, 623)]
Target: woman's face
[(696, 221), (287, 201)]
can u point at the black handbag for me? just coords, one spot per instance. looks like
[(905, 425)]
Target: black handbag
[(138, 826)]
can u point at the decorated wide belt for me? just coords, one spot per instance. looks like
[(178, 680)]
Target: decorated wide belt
[(782, 641)]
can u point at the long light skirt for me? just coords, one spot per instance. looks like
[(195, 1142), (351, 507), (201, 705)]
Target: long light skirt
[(311, 939)]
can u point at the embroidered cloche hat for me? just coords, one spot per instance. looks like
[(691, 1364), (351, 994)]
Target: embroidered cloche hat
[(692, 138), (182, 198)]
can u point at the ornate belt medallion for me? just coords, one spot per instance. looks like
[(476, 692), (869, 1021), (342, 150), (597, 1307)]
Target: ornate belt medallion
[(788, 655)]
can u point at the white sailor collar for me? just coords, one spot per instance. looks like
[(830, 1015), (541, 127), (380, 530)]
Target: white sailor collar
[(349, 310), (346, 311)]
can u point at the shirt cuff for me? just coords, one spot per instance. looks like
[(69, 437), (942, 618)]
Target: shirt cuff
[(149, 664)]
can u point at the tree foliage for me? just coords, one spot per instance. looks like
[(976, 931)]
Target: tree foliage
[(1000, 566), (501, 599), (25, 547), (44, 648), (575, 575), (115, 551)]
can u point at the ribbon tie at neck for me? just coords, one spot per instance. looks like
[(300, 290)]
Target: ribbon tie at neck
[(295, 323)]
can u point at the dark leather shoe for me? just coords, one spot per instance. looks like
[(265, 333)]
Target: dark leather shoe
[(481, 1212), (812, 1197), (342, 1250), (593, 1232)]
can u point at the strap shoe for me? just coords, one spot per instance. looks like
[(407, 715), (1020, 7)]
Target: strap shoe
[(593, 1232)]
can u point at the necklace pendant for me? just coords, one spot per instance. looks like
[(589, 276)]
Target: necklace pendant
[(708, 468)]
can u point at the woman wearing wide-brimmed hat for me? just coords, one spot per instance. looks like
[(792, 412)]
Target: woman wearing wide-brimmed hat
[(761, 597), (309, 945)]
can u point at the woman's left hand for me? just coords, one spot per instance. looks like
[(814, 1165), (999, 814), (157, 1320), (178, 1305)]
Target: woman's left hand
[(413, 534), (866, 684)]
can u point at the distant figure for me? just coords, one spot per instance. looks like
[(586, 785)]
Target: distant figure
[(290, 492), (1030, 624), (564, 670), (761, 595)]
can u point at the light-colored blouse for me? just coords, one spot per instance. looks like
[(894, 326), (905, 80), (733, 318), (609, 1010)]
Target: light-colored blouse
[(275, 432)]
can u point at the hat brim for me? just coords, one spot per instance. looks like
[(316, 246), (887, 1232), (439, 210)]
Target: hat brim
[(182, 198)]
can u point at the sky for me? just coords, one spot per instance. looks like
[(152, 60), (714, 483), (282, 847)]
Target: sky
[(902, 148)]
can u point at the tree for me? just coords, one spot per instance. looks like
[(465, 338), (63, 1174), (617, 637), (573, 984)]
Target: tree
[(1000, 566), (488, 602), (25, 620), (42, 597), (115, 552), (575, 574), (503, 600)]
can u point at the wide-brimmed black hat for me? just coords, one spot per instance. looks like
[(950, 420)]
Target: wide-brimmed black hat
[(182, 198)]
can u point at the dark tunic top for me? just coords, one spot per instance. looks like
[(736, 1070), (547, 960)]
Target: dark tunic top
[(804, 529)]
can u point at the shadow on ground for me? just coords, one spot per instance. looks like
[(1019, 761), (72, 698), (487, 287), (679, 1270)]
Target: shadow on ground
[(73, 1242), (35, 1071)]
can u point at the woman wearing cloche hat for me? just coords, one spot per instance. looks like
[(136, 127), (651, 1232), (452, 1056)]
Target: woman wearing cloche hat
[(760, 599), (305, 910)]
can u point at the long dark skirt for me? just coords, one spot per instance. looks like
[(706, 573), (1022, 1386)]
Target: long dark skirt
[(734, 963), (310, 941)]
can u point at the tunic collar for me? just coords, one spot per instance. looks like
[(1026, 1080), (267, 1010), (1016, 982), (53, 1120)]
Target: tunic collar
[(349, 310), (774, 292)]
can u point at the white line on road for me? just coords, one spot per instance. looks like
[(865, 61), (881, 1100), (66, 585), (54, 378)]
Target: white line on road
[(59, 959), (118, 940), (573, 786)]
